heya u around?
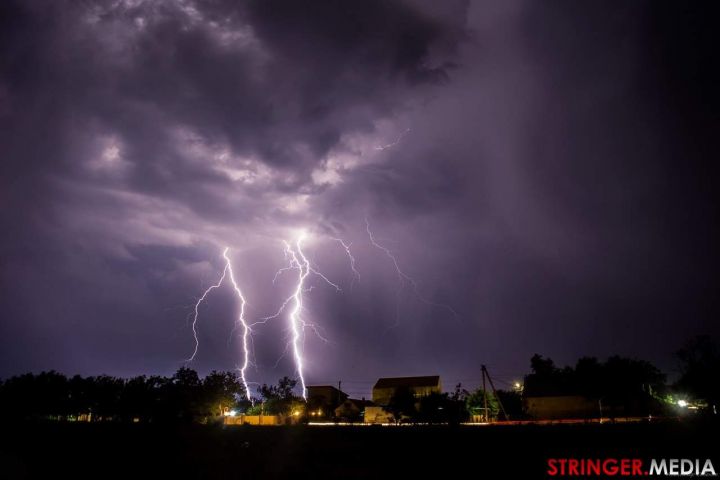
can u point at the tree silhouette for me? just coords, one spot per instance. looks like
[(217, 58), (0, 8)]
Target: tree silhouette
[(221, 391), (279, 399), (700, 369), (475, 402), (622, 384), (402, 404)]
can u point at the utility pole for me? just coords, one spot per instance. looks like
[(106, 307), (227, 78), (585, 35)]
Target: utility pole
[(502, 409), (485, 409)]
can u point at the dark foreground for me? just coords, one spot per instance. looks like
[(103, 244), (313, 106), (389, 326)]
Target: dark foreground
[(53, 451)]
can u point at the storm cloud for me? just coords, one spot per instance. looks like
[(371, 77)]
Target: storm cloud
[(544, 169)]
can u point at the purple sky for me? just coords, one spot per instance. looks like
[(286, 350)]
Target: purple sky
[(547, 169)]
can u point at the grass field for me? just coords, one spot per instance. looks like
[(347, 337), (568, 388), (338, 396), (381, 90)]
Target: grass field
[(54, 451)]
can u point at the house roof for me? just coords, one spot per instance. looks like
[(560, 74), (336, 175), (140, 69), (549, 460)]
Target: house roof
[(395, 382), (359, 403), (322, 390), (322, 386)]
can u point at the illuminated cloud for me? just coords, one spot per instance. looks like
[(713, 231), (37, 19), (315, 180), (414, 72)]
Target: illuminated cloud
[(534, 167)]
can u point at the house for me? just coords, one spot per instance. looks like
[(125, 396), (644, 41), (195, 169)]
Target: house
[(352, 409), (323, 400), (420, 386)]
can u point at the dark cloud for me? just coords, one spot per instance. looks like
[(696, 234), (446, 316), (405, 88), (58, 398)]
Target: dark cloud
[(546, 169)]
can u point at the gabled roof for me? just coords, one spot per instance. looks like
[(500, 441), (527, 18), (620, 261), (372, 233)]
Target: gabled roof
[(395, 382), (323, 386), (321, 390)]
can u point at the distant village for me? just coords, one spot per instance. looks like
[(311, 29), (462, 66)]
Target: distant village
[(420, 399), (615, 390)]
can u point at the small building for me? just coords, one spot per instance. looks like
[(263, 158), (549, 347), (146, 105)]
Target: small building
[(326, 394), (419, 386), (323, 400)]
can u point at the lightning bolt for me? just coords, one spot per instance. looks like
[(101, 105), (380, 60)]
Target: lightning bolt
[(392, 144), (300, 262), (297, 261), (240, 320), (404, 277), (296, 320), (197, 313), (346, 247)]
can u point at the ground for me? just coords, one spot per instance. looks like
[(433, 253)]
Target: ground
[(54, 451)]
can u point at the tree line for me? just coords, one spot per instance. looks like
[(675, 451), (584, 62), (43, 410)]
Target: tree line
[(631, 385), (182, 397)]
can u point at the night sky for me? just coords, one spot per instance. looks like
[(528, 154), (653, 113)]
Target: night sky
[(547, 170)]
